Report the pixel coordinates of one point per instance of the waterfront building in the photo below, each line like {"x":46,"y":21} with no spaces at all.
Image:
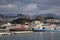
{"x":54,"y":20}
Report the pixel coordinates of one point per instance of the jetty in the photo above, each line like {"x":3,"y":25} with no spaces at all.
{"x":22,"y":32}
{"x":4,"y":33}
{"x":14,"y":32}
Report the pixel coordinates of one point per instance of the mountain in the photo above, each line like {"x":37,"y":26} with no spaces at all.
{"x":47,"y":15}
{"x":22,"y":16}
{"x":2,"y":15}
{"x":10,"y":16}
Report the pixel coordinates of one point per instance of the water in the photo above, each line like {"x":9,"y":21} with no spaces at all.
{"x":33,"y":36}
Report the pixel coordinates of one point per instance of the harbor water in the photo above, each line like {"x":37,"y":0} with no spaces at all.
{"x":33,"y":36}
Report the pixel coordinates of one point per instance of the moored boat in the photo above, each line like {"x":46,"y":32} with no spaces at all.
{"x":43,"y":28}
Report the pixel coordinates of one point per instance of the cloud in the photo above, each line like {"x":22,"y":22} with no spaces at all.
{"x":48,"y":2}
{"x":30,"y":7}
{"x":8,"y":6}
{"x":41,"y":9}
{"x":4,"y":2}
{"x":54,"y":10}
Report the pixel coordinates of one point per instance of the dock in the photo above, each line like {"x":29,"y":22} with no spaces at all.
{"x":4,"y":33}
{"x":22,"y":32}
{"x":14,"y":32}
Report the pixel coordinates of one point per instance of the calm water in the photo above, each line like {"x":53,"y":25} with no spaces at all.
{"x":33,"y":36}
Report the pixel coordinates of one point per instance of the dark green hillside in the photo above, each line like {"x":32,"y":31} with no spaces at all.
{"x":19,"y":21}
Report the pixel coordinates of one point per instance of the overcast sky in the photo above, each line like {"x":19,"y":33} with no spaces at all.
{"x":29,"y":7}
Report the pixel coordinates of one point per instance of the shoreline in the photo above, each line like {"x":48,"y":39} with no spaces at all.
{"x":21,"y":32}
{"x":14,"y":32}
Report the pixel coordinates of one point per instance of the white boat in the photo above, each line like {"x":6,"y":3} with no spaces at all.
{"x":42,"y":27}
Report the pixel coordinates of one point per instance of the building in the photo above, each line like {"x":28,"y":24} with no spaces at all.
{"x":37,"y":22}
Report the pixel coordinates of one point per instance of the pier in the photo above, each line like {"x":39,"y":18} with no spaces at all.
{"x":14,"y":32}
{"x":4,"y":33}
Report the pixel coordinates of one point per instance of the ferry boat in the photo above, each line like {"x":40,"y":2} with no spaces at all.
{"x":42,"y":27}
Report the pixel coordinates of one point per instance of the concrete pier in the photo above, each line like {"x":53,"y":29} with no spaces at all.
{"x":14,"y":32}
{"x":19,"y":32}
{"x":4,"y":33}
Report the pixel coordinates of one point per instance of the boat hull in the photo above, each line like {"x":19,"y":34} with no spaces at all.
{"x":45,"y":30}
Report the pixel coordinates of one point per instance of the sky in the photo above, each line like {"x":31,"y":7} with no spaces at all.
{"x":29,"y":7}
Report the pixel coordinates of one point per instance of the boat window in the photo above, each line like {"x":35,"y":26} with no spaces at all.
{"x":43,"y":27}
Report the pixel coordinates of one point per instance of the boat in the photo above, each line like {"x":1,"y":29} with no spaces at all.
{"x":45,"y":30}
{"x":42,"y":28}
